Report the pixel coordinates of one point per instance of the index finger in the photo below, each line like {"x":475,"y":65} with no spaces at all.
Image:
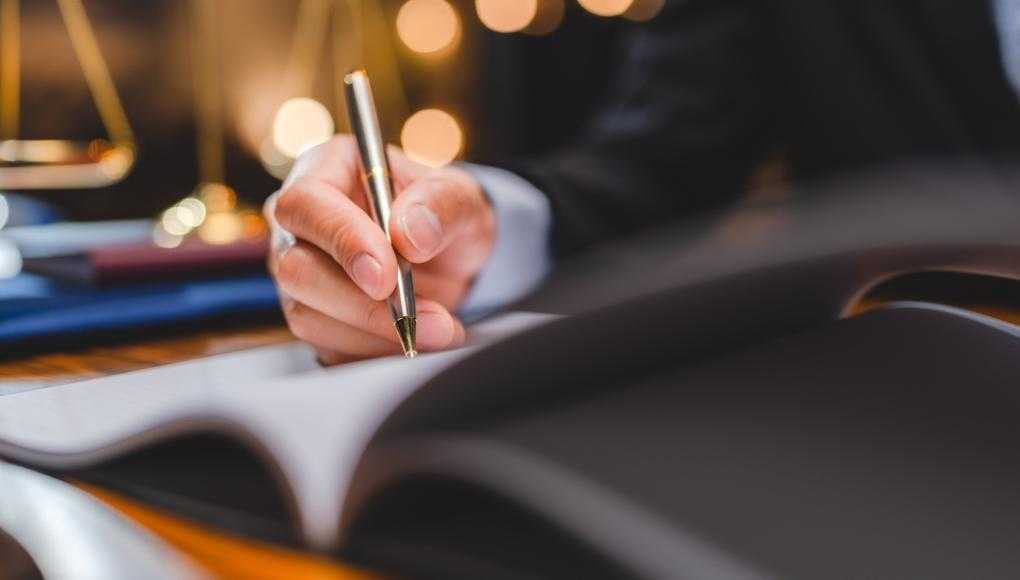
{"x":323,"y":216}
{"x":335,"y":163}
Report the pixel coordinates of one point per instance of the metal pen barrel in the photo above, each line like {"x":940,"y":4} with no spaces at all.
{"x":379,"y":190}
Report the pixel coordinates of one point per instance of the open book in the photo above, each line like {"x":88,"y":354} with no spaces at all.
{"x":707,"y":409}
{"x":312,"y":424}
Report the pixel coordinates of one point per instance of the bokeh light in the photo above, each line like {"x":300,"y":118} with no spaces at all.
{"x":300,"y":124}
{"x":427,"y":26}
{"x":606,"y":7}
{"x":548,"y":19}
{"x":221,"y":228}
{"x":432,"y":137}
{"x":183,"y":217}
{"x":165,"y":239}
{"x":191,"y":212}
{"x":172,"y":224}
{"x":5,"y":211}
{"x":506,"y":15}
{"x":216,"y":197}
{"x":644,"y":10}
{"x":253,"y":224}
{"x":277,"y":164}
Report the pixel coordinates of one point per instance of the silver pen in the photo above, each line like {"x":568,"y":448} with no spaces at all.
{"x":379,"y":190}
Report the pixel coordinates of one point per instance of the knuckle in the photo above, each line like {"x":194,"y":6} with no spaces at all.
{"x":290,"y":201}
{"x":344,"y":243}
{"x":459,"y":184}
{"x":294,"y":268}
{"x":307,"y":159}
{"x":436,"y":192}
{"x":300,"y":322}
{"x":298,"y":203}
{"x":329,"y":154}
{"x":438,"y":184}
{"x":448,"y":198}
{"x":469,"y":191}
{"x":324,"y":162}
{"x":376,"y":316}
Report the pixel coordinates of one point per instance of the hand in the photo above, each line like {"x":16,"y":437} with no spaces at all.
{"x":338,"y":269}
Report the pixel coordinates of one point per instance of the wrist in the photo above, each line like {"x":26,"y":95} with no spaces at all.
{"x":484,"y":225}
{"x":519,"y":258}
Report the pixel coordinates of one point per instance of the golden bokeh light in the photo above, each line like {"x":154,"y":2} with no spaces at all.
{"x":211,"y":213}
{"x":427,"y":26}
{"x":216,"y":197}
{"x":432,"y":137}
{"x":506,"y":15}
{"x":300,"y":124}
{"x":644,"y":10}
{"x":606,"y":7}
{"x":222,"y":228}
{"x":548,"y":19}
{"x":253,"y":225}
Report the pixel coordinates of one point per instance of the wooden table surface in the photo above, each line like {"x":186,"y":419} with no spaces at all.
{"x":69,"y":366}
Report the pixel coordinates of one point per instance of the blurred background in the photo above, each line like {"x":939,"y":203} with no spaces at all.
{"x":477,"y":80}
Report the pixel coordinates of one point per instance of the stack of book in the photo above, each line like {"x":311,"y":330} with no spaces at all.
{"x":97,"y":281}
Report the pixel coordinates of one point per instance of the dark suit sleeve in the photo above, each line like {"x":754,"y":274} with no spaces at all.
{"x":688,"y":120}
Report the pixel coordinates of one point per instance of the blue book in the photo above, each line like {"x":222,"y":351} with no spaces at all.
{"x":35,"y":310}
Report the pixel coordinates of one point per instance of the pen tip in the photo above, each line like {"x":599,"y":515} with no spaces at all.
{"x":406,"y":332}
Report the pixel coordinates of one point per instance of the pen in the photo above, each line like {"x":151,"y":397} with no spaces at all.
{"x":375,"y":171}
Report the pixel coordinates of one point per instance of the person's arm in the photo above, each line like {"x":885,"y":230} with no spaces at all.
{"x":690,"y":121}
{"x":690,"y":117}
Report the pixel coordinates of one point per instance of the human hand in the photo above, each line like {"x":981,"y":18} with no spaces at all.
{"x":337,"y":268}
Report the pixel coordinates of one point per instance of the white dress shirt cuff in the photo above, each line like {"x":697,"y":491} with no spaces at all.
{"x":521,"y":257}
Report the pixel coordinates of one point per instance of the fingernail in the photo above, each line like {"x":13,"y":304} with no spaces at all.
{"x":434,"y":330}
{"x":422,"y":227}
{"x":367,"y":273}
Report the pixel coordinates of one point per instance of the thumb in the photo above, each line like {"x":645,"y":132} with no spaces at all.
{"x":436,"y":211}
{"x":404,"y":169}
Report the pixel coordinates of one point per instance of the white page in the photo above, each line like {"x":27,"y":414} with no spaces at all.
{"x":315,"y":422}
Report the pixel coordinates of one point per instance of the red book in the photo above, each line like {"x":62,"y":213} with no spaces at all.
{"x":148,"y":262}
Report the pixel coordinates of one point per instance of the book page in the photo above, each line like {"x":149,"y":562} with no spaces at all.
{"x":314,"y":421}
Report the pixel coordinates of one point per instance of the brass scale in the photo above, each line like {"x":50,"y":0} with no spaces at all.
{"x":41,"y":164}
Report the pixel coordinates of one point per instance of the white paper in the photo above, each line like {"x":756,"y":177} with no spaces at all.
{"x":315,"y":422}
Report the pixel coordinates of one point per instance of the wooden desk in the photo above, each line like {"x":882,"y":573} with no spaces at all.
{"x":107,"y":360}
{"x":222,"y":555}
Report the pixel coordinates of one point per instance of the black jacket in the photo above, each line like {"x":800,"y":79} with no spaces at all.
{"x":711,"y":88}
